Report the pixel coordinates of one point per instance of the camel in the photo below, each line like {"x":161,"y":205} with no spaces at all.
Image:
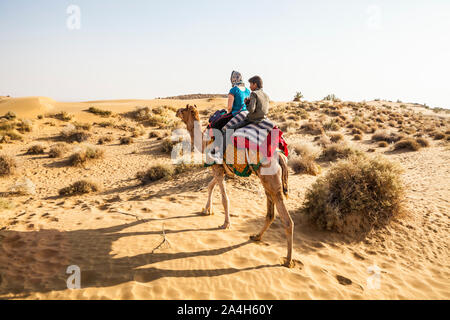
{"x":275,"y":185}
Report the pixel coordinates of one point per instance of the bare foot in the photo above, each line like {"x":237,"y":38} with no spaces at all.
{"x":255,"y":237}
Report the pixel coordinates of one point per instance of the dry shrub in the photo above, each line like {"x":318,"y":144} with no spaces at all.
{"x":356,"y":131}
{"x":359,"y":125}
{"x":162,"y":116}
{"x":184,"y":167}
{"x":322,"y":140}
{"x":63,"y":116}
{"x":289,"y":126}
{"x":305,"y":150}
{"x":356,"y":196}
{"x":156,"y":172}
{"x":164,"y":170}
{"x":138,"y":131}
{"x":99,"y":112}
{"x":388,"y":137}
{"x":9,"y":115}
{"x":357,"y":137}
{"x":82,"y":126}
{"x":312,"y":128}
{"x":407,"y":144}
{"x":82,"y":157}
{"x":58,"y":150}
{"x":126,"y":140}
{"x":105,"y":139}
{"x":383,"y":144}
{"x":332,"y":125}
{"x":423,"y":142}
{"x":304,"y":165}
{"x":6,"y":125}
{"x":139,"y":114}
{"x":335,"y":151}
{"x":8,"y":135}
{"x":336,"y":137}
{"x":7,"y":165}
{"x":79,"y":188}
{"x":167,"y":145}
{"x":105,"y":124}
{"x":36,"y":149}
{"x":72,"y":134}
{"x":302,"y":113}
{"x":437,"y":135}
{"x":24,"y":126}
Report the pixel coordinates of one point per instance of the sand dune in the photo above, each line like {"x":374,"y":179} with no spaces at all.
{"x":112,"y":235}
{"x":28,"y":107}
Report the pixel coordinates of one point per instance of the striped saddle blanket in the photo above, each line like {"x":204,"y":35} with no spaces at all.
{"x":264,"y":136}
{"x":249,"y":147}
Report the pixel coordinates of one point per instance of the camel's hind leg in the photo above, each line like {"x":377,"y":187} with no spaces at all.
{"x":219,"y":175}
{"x":208,"y":210}
{"x":269,"y":219}
{"x":273,"y":186}
{"x":288,"y":226}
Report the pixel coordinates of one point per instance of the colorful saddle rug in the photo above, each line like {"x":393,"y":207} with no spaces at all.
{"x":249,"y":147}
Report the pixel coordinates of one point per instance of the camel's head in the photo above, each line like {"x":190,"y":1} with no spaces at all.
{"x":188,"y":114}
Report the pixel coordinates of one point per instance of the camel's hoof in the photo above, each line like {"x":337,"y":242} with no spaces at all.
{"x":255,"y":237}
{"x":225,"y":226}
{"x":207,"y":212}
{"x":288,"y":263}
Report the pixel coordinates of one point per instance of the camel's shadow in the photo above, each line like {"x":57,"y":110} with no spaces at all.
{"x":37,"y":261}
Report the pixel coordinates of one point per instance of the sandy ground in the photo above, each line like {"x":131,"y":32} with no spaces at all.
{"x":113,"y":236}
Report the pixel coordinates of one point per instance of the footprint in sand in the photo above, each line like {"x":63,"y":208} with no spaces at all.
{"x":358,"y":256}
{"x":343,"y":280}
{"x":298,"y":264}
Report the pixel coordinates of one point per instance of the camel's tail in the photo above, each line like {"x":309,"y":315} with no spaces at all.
{"x":284,"y":174}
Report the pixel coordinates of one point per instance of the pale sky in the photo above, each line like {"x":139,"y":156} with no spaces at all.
{"x":142,"y":49}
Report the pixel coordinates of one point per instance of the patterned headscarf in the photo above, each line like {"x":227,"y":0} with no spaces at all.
{"x":236,"y":79}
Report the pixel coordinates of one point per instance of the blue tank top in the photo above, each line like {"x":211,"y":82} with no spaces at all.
{"x":239,"y":97}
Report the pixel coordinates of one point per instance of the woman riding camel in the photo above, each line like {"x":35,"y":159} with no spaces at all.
{"x":236,"y":100}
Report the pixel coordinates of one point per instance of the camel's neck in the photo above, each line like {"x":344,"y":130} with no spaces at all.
{"x":194,"y":127}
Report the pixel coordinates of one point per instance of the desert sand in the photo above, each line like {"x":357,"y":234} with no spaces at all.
{"x":113,"y":235}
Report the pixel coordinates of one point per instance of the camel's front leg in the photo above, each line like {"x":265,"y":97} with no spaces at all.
{"x":226,"y":204}
{"x":219,"y":175}
{"x":208,"y":210}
